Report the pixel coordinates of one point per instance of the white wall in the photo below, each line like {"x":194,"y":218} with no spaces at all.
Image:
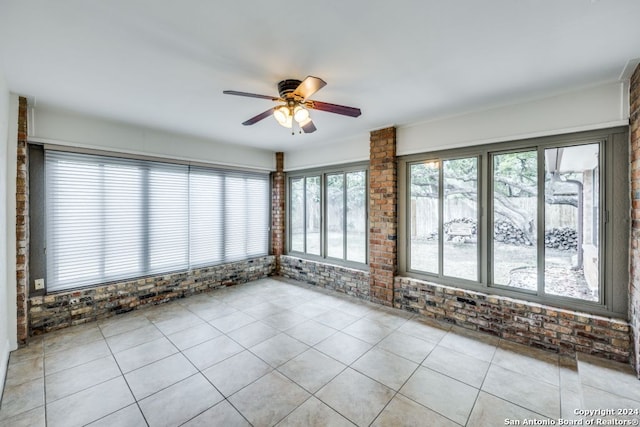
{"x":8,"y":339}
{"x":586,"y":109}
{"x":54,"y":126}
{"x":346,"y":151}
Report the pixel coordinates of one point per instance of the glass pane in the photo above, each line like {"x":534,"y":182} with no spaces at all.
{"x":168,"y":219}
{"x":296,"y":200}
{"x":515,"y":209}
{"x":313,"y":215}
{"x":357,"y":216}
{"x":424,"y":216}
{"x":335,"y":216}
{"x":122,"y":223}
{"x":571,"y":222}
{"x":206,"y":216}
{"x":460,"y":246}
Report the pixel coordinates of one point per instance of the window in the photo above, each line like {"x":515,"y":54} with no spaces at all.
{"x":111,"y":219}
{"x":529,"y":219}
{"x":328,"y":214}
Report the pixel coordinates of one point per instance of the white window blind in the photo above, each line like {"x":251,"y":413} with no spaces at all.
{"x":110,"y":219}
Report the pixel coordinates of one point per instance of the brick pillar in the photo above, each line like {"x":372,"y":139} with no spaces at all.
{"x":278,"y":210}
{"x":383,"y":215}
{"x":634,"y":285}
{"x":22,"y":225}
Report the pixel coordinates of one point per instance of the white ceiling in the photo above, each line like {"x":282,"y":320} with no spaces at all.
{"x":164,"y":64}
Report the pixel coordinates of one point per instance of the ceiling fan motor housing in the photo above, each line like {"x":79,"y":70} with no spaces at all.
{"x":286,"y":87}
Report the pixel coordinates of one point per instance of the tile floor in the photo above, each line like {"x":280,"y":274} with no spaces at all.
{"x":273,"y":352}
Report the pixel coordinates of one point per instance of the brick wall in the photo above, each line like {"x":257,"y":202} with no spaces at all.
{"x":535,"y":325}
{"x":63,"y":309}
{"x":383,"y":221}
{"x":22,"y":224}
{"x":634,"y":285}
{"x":341,"y":279}
{"x":278,"y":185}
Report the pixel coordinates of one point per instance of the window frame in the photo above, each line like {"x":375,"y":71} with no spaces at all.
{"x":323,"y":173}
{"x":145,"y":165}
{"x":613,"y":143}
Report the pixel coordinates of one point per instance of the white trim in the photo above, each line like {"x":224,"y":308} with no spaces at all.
{"x":531,"y":135}
{"x":131,"y":154}
{"x":4,"y":363}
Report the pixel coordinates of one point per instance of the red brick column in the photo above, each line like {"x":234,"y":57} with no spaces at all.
{"x":634,"y":285}
{"x":22,"y":225}
{"x":383,"y":215}
{"x":278,"y":210}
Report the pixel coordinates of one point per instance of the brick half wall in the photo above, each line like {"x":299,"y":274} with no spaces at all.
{"x":346,"y":280}
{"x":64,"y":309}
{"x":535,"y":325}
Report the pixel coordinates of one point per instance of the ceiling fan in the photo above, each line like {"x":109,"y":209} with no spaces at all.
{"x":295,"y":104}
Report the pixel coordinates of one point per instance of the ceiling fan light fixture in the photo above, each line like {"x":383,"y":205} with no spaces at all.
{"x":300,"y":114}
{"x":282,"y":115}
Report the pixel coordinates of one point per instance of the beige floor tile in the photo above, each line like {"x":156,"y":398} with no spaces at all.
{"x":460,"y":366}
{"x":214,"y":311}
{"x":284,"y":320}
{"x":609,"y":376}
{"x":278,"y":349}
{"x":70,"y":338}
{"x":73,"y":380}
{"x":222,"y":414}
{"x":311,"y":309}
{"x":385,"y":367}
{"x":407,"y":413}
{"x":236,"y":372}
{"x":336,"y":319}
{"x":368,"y":330}
{"x":232,"y":321}
{"x":409,"y":347}
{"x":76,"y":356}
{"x":158,"y":375}
{"x":132,"y":338}
{"x":442,"y":394}
{"x":312,"y":370}
{"x":33,"y":349}
{"x":282,"y":394}
{"x":213,"y":351}
{"x":24,"y":371}
{"x":595,"y":398}
{"x":120,"y":324}
{"x":143,"y":354}
{"x":424,"y":329}
{"x":262,"y":310}
{"x":480,"y":347}
{"x":194,"y":336}
{"x":390,"y":318}
{"x":252,"y":334}
{"x":180,"y":402}
{"x":166,"y":311}
{"x":490,"y":410}
{"x":310,"y":332}
{"x":126,"y":417}
{"x":33,"y":418}
{"x":314,"y":413}
{"x":355,"y":396}
{"x":355,"y":307}
{"x":89,"y":405}
{"x":22,"y":398}
{"x":343,"y":347}
{"x":535,"y":395}
{"x":530,"y":362}
{"x":180,"y":323}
